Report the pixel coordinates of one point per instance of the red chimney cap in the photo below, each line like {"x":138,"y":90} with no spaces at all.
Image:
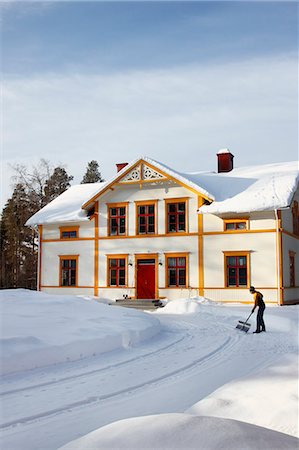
{"x":225,"y":160}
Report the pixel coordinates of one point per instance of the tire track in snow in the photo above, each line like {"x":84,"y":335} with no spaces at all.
{"x":211,"y":357}
{"x":95,"y":371}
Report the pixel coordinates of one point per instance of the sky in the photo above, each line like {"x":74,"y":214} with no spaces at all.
{"x":175,"y":81}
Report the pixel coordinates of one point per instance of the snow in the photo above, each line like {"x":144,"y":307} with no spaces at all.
{"x":223,"y":150}
{"x":227,"y":402}
{"x":182,"y":431}
{"x":254,"y":188}
{"x":66,"y":207}
{"x":181,"y":306}
{"x":81,"y":374}
{"x":82,"y":328}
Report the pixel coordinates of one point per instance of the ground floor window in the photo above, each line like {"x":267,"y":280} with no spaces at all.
{"x":236,"y":269}
{"x":117,"y":271}
{"x":176,"y":270}
{"x":68,"y":270}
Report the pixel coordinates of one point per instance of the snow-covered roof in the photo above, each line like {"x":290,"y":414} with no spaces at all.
{"x":67,"y":207}
{"x":246,"y":189}
{"x":255,"y":188}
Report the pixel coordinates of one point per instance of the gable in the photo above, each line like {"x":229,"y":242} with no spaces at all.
{"x":142,"y":172}
{"x":145,"y":170}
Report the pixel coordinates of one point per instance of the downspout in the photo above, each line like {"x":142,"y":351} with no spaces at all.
{"x":278,"y":259}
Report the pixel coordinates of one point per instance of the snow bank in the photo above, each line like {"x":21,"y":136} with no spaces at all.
{"x":182,"y":431}
{"x":40,"y":329}
{"x":182,"y":306}
{"x":268,"y":399}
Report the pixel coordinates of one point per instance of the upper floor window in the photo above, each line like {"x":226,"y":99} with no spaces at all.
{"x":235,"y":224}
{"x":69,"y":232}
{"x":117,"y":271}
{"x":117,"y":214}
{"x":176,"y":270}
{"x":146,"y":217}
{"x":295,"y":214}
{"x":176,"y":216}
{"x":236,"y":269}
{"x":68,"y":270}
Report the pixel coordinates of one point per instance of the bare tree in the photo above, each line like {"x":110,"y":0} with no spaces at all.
{"x":33,"y":180}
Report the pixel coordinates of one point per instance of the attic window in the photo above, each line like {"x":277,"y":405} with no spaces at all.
{"x":69,"y":232}
{"x":235,"y":224}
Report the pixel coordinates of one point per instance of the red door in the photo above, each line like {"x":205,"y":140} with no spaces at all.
{"x":146,"y":278}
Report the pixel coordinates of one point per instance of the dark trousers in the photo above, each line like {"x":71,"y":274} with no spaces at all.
{"x":260,"y":324}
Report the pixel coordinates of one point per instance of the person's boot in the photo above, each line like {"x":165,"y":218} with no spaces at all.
{"x":256,"y":332}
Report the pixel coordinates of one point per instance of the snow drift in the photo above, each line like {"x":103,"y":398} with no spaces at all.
{"x":40,"y":329}
{"x":181,"y":432}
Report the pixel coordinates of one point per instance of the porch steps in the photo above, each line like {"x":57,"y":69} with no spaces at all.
{"x":143,"y":304}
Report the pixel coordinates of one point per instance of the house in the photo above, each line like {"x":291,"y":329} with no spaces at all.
{"x":154,"y":232}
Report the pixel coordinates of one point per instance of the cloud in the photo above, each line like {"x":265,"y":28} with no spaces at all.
{"x":180,"y":116}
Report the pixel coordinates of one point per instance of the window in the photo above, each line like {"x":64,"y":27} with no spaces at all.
{"x":68,"y":270}
{"x":146,"y":220}
{"x":176,"y":216}
{"x":176,"y":270}
{"x":292,"y":269}
{"x":235,"y":224}
{"x":117,"y":219}
{"x":295,"y":214}
{"x":236,"y":269}
{"x":69,"y":232}
{"x":117,"y":272}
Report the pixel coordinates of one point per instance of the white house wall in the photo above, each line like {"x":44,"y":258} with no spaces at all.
{"x":160,"y":246}
{"x":263,"y":273}
{"x":132,"y":194}
{"x":51,"y":263}
{"x":257,"y":221}
{"x":86,"y":229}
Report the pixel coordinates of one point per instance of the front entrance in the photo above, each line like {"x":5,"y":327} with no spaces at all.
{"x":146,"y":278}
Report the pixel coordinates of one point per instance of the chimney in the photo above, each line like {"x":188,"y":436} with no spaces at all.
{"x":121,"y":166}
{"x":225,"y":160}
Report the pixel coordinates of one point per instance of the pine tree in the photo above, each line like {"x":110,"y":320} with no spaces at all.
{"x":19,"y":256}
{"x":33,"y":190}
{"x":92,"y":174}
{"x":58,"y":182}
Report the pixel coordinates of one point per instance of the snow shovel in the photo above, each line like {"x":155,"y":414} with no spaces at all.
{"x":244,"y":326}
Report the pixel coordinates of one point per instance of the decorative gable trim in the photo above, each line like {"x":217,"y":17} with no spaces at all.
{"x":142,"y":172}
{"x":149,"y":174}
